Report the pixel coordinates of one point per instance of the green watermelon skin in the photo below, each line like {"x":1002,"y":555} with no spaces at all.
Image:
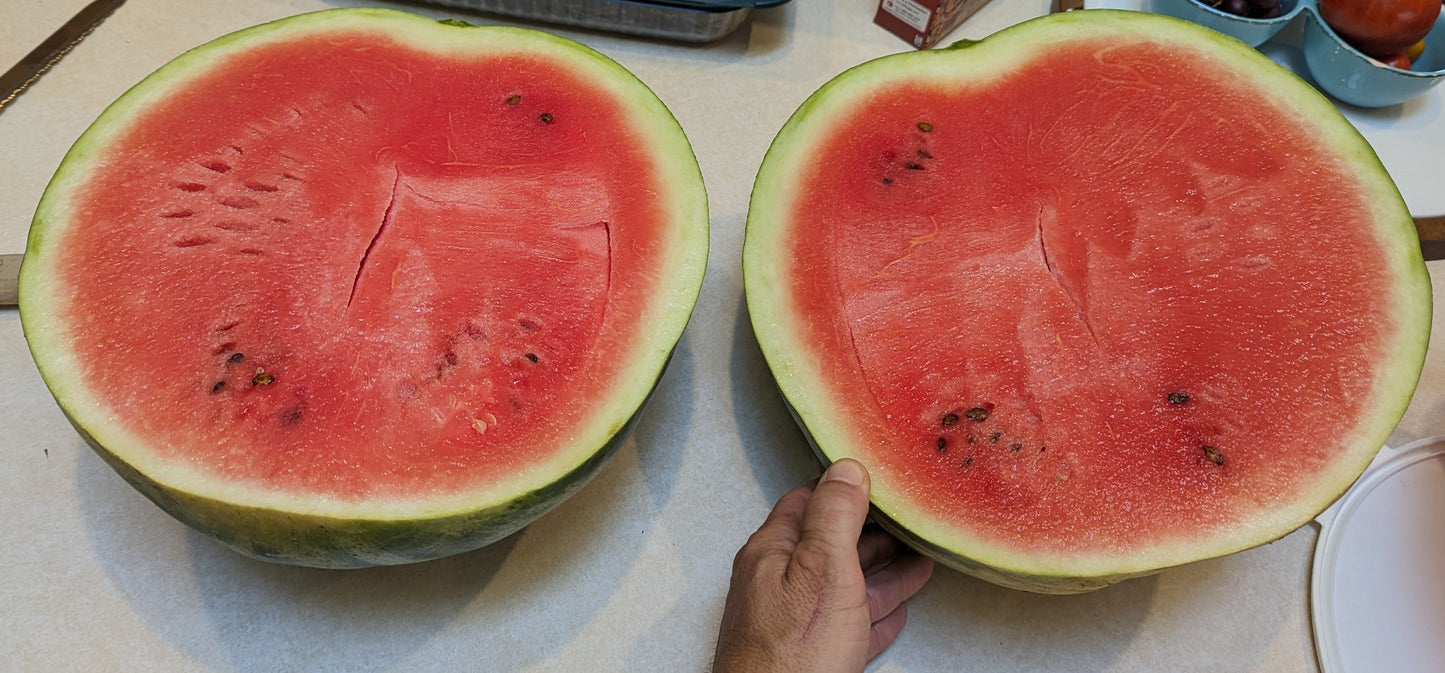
{"x":856,"y":136}
{"x":582,"y":396}
{"x":301,"y":539}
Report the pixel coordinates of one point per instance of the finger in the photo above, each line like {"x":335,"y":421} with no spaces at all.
{"x":884,"y":631}
{"x":876,"y":548}
{"x":833,"y":520}
{"x":895,"y":583}
{"x":780,"y":531}
{"x":787,"y":513}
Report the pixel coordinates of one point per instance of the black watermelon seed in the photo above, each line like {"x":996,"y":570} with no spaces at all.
{"x":977,"y":414}
{"x":1213,"y":455}
{"x":1178,"y":398}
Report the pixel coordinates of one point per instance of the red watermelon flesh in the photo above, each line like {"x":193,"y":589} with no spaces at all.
{"x":323,"y":228}
{"x":1093,"y":308}
{"x":372,"y":270}
{"x":1075,"y":292}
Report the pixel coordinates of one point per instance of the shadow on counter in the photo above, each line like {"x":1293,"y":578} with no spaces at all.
{"x":959,"y":622}
{"x":229,"y":612}
{"x":776,"y":449}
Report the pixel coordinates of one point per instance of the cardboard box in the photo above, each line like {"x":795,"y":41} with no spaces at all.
{"x":923,"y":23}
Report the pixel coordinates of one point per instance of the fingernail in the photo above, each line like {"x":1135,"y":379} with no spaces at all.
{"x":847,"y":471}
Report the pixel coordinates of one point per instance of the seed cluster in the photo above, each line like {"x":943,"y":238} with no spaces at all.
{"x":970,"y":421}
{"x":915,"y":161}
{"x":973,"y":422}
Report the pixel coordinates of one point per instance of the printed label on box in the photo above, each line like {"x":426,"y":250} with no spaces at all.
{"x":910,"y":12}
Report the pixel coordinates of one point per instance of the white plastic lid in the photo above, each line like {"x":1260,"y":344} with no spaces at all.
{"x":1378,"y":587}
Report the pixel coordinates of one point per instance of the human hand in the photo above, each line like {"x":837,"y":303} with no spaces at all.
{"x":813,"y":590}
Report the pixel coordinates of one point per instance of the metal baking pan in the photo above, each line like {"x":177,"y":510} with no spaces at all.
{"x":680,"y":20}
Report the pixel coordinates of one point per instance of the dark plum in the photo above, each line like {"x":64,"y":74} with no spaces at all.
{"x":1252,"y":9}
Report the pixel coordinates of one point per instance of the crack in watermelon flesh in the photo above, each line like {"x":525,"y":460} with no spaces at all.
{"x":377,"y":246}
{"x":386,"y":219}
{"x":1065,"y":252}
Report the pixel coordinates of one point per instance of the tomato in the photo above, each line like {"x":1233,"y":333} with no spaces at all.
{"x":1398,"y":59}
{"x":1380,"y":28}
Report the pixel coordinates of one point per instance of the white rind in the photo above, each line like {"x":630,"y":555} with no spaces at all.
{"x":799,"y":371}
{"x":686,"y":256}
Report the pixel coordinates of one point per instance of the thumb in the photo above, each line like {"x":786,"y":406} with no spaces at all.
{"x":835,"y":515}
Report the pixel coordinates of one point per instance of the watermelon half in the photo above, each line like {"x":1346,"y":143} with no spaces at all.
{"x":358,"y":287}
{"x":1101,"y":294}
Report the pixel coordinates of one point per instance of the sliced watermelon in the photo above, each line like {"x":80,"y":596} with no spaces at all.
{"x":359,"y":287}
{"x":1101,"y":294}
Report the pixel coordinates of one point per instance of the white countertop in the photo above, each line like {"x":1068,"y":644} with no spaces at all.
{"x":630,"y":573}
